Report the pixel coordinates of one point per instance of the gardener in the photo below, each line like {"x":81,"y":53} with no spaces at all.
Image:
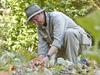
{"x":58,"y":34}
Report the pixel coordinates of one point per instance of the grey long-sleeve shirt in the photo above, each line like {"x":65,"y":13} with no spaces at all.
{"x":53,"y":33}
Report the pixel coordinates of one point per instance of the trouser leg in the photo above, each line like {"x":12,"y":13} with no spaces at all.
{"x":71,"y":45}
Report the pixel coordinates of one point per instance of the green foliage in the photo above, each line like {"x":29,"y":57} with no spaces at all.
{"x":72,"y":8}
{"x":92,"y":55}
{"x":15,"y":35}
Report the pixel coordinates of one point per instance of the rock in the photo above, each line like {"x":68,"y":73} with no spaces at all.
{"x":97,"y":71}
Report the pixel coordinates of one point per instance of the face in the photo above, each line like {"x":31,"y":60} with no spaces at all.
{"x":38,"y":19}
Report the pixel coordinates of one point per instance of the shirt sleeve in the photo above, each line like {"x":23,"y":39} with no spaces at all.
{"x":58,"y":33}
{"x":42,"y":45}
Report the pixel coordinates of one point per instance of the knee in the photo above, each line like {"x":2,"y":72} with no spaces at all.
{"x":69,"y":32}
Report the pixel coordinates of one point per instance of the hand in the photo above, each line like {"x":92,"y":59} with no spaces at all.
{"x":45,"y":59}
{"x":39,"y":60}
{"x":36,"y":61}
{"x":41,"y":56}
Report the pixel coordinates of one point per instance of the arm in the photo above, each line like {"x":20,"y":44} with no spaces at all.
{"x":42,"y":45}
{"x":58,"y":34}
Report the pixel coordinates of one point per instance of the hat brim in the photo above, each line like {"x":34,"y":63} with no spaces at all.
{"x":27,"y":21}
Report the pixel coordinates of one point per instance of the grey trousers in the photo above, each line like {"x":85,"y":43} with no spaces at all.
{"x":71,"y":47}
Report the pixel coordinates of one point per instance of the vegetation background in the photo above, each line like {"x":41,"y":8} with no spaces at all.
{"x":22,"y":40}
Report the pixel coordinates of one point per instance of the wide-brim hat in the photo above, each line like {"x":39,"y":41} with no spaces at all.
{"x":31,"y":11}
